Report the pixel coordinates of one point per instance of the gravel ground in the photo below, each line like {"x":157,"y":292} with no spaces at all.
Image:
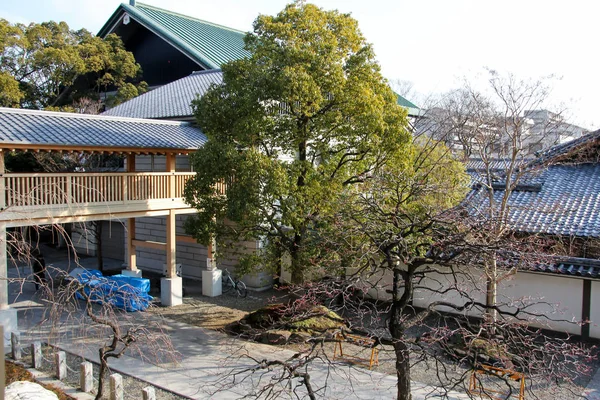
{"x":217,"y":312}
{"x":132,"y":387}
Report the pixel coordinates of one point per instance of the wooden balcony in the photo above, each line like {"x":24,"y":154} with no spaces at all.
{"x":33,"y":198}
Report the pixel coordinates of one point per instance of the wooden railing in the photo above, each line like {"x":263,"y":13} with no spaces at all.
{"x":36,"y":190}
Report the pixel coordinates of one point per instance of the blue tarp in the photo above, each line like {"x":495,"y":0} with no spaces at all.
{"x":125,"y":292}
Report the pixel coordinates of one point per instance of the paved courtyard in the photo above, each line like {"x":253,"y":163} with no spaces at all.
{"x":209,"y":364}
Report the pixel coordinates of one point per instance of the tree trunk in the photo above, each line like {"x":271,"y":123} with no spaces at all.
{"x":397,"y":331}
{"x":403,"y":370}
{"x":297,"y":269}
{"x":101,"y":374}
{"x":491,"y":315}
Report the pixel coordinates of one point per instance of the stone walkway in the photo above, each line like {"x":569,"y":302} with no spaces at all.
{"x":209,"y":361}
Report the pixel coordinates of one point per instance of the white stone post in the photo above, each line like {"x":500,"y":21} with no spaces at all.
{"x":148,"y":393}
{"x":60,"y":363}
{"x":15,"y":343}
{"x":171,"y":287}
{"x":85,"y":377}
{"x":36,"y":354}
{"x":116,"y":387}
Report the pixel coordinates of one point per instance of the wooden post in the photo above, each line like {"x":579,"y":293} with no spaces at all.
{"x":15,"y":343}
{"x":3,"y":269}
{"x":85,"y":377}
{"x":132,"y":262}
{"x":171,"y":223}
{"x":210,"y":253}
{"x":2,"y":371}
{"x":116,"y":387}
{"x":2,"y":181}
{"x":586,"y":308}
{"x":171,"y":168}
{"x":60,"y":363}
{"x":171,"y":245}
{"x":131,"y":162}
{"x":36,"y":355}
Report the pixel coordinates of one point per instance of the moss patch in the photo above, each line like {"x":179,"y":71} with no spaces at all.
{"x":313,"y":320}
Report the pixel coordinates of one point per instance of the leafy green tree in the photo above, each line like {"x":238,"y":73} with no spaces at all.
{"x":48,"y":65}
{"x":292,"y":127}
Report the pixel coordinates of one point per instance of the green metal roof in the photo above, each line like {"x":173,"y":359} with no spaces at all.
{"x":413,"y":110}
{"x":210,"y":45}
{"x":404,"y":102}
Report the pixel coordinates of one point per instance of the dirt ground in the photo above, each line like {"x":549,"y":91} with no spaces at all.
{"x":217,"y":312}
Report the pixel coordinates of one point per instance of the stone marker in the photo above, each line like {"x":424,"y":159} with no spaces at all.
{"x":116,"y":387}
{"x":36,"y":354}
{"x":60,"y":362}
{"x":148,"y":393}
{"x":85,"y":377}
{"x":15,"y":343}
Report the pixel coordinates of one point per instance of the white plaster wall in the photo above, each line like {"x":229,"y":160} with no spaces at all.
{"x":595,"y":310}
{"x":563,"y":294}
{"x":445,"y":286}
{"x":558,"y":298}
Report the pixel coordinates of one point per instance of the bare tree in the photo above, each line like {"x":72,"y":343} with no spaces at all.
{"x":403,"y":226}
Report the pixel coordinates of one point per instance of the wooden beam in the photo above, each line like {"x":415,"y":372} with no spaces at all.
{"x":586,"y":308}
{"x":186,"y":239}
{"x":19,"y":220}
{"x":149,"y":244}
{"x":81,"y":149}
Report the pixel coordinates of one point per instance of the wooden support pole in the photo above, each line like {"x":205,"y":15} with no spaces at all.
{"x":131,"y":251}
{"x":2,"y":181}
{"x":586,"y":308}
{"x":3,"y":268}
{"x":2,"y":366}
{"x":130,"y":162}
{"x":86,"y":382}
{"x":171,"y":168}
{"x":171,"y":245}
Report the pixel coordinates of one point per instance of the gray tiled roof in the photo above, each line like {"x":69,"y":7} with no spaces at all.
{"x":584,"y":267}
{"x":555,"y":152}
{"x":169,"y":101}
{"x":43,"y":128}
{"x":567,"y":203}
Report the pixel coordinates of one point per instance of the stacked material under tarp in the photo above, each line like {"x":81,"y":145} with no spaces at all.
{"x":125,"y":292}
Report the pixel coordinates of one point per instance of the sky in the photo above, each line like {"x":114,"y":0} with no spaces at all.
{"x":433,"y":44}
